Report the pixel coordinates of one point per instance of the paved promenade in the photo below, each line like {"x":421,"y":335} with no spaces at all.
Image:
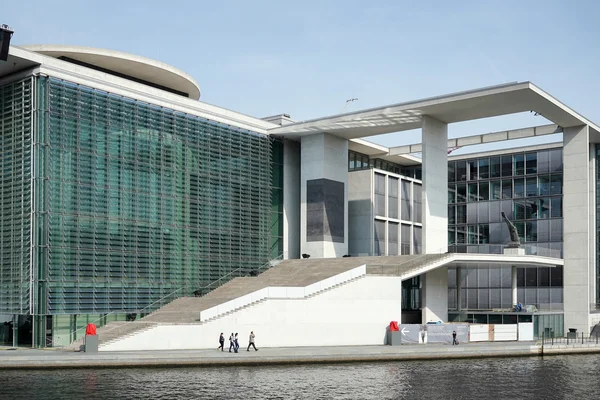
{"x":46,"y":359}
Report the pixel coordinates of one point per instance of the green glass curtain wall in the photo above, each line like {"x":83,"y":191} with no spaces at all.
{"x":137,"y":201}
{"x":16,"y":127}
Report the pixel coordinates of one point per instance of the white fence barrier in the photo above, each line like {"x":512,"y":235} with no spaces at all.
{"x":525,"y":331}
{"x":505,"y":332}
{"x":479,"y":333}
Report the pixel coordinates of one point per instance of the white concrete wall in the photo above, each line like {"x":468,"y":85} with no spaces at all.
{"x":435,"y":185}
{"x":353,"y":314}
{"x":291,"y":199}
{"x":360,"y":212}
{"x":525,"y":331}
{"x":323,"y":156}
{"x":576,"y":234}
{"x":434,"y":293}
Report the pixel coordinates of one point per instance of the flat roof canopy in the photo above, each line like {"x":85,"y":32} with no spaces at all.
{"x":487,"y":102}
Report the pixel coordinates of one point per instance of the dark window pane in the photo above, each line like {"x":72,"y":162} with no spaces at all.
{"x":484,"y":234}
{"x":461,"y":214}
{"x":556,"y":160}
{"x":520,"y":277}
{"x":507,"y":166}
{"x":531,"y":163}
{"x":495,"y":190}
{"x":530,"y":277}
{"x":556,"y":184}
{"x":519,"y":161}
{"x":451,"y":194}
{"x":544,"y":185}
{"x":451,"y":171}
{"x":484,"y":168}
{"x":531,"y":231}
{"x":472,"y":166}
{"x":507,"y":192}
{"x":484,"y":191}
{"x":543,"y":162}
{"x":543,"y":208}
{"x":461,"y":170}
{"x":531,"y":187}
{"x":556,"y":276}
{"x":556,"y":206}
{"x":519,"y":188}
{"x":461,"y":193}
{"x":544,"y":277}
{"x":495,"y":167}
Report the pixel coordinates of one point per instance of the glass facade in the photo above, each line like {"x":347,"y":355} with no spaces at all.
{"x":16,"y":135}
{"x":397,"y":210}
{"x":115,"y":204}
{"x":358,"y":161}
{"x":527,"y":187}
{"x":597,"y":305}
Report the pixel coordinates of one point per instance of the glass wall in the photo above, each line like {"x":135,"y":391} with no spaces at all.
{"x":16,"y":123}
{"x":137,"y":202}
{"x":276,"y":233}
{"x":527,"y":187}
{"x":397,"y":208}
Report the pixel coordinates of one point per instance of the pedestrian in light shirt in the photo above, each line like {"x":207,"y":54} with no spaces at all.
{"x":251,"y":342}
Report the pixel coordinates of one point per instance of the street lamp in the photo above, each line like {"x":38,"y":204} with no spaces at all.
{"x":5,"y":35}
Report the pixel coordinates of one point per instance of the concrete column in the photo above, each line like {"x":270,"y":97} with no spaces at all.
{"x":434,"y":292}
{"x":324,"y":196}
{"x":15,"y":331}
{"x":576,"y":233}
{"x":435,"y":185}
{"x":459,"y":288}
{"x":513,"y":285}
{"x":291,"y":199}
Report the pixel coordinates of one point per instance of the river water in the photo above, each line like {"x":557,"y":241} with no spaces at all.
{"x":559,"y":377}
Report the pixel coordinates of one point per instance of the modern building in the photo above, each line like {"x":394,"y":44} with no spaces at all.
{"x":122,"y":191}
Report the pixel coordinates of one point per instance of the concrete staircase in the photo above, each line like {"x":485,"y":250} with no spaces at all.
{"x":297,"y":273}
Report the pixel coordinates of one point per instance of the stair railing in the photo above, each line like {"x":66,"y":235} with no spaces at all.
{"x":420,"y":259}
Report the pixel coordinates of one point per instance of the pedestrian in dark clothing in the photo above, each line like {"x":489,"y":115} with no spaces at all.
{"x":454,"y":338}
{"x":231,"y":343}
{"x":221,"y":342}
{"x":251,"y":342}
{"x":236,"y":344}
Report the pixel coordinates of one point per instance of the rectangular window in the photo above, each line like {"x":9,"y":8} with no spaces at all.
{"x":393,"y":197}
{"x":484,"y":168}
{"x":484,"y":234}
{"x":417,"y":239}
{"x":379,"y":238}
{"x":472,"y":187}
{"x":393,"y":239}
{"x":543,"y":162}
{"x":406,"y":201}
{"x":531,"y":187}
{"x":507,"y":192}
{"x":352,"y":161}
{"x":495,"y":167}
{"x":530,"y":163}
{"x":556,"y":160}
{"x":380,"y":195}
{"x":472,"y":234}
{"x":461,"y":214}
{"x":484,"y":191}
{"x":452,"y":194}
{"x":461,"y":234}
{"x":451,"y":236}
{"x":405,"y":239}
{"x":556,"y":207}
{"x":531,"y":231}
{"x":519,"y":164}
{"x":495,"y":190}
{"x":451,"y":215}
{"x":461,"y":193}
{"x":472,"y":166}
{"x":543,"y":208}
{"x":530,"y":277}
{"x":451,"y":171}
{"x":519,"y":188}
{"x":461,"y":171}
{"x":556,"y":184}
{"x":507,"y":166}
{"x":418,"y":202}
{"x":543,"y":185}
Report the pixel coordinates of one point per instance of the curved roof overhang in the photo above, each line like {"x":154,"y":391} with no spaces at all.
{"x":125,"y":65}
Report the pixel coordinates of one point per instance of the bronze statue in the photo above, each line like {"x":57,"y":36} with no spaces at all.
{"x":515,"y":241}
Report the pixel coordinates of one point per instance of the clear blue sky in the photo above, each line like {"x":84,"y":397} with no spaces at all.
{"x":307,"y":57}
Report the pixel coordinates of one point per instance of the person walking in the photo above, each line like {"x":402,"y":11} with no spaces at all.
{"x":251,"y":342}
{"x":454,"y":338}
{"x":231,"y":343}
{"x":221,"y":342}
{"x":236,"y":344}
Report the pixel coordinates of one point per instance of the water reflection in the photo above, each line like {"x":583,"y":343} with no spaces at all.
{"x":508,"y":378}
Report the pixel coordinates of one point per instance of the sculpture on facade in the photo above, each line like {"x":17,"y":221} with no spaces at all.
{"x":515,"y":241}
